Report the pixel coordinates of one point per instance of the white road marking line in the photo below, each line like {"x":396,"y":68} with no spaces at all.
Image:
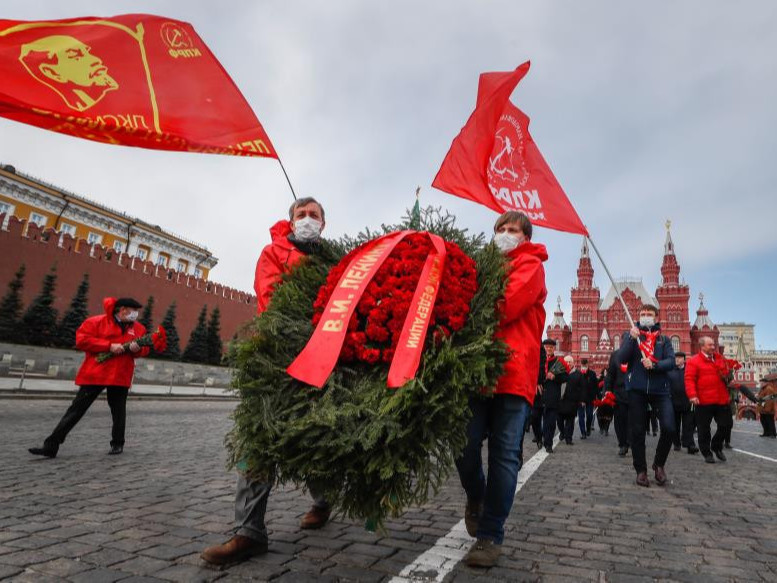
{"x":435,"y":563}
{"x":763,"y":457}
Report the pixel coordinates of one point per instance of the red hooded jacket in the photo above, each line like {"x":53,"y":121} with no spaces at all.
{"x":523,"y":319}
{"x":96,"y":335}
{"x":702,"y":379}
{"x":276,"y":259}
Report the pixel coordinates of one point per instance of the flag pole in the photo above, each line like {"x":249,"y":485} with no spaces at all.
{"x":294,"y":194}
{"x":615,"y":287}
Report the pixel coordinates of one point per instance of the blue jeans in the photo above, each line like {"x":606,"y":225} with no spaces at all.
{"x":585,"y":417}
{"x":638,"y":418}
{"x":502,"y":419}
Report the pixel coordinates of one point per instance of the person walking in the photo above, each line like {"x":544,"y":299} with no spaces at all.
{"x":555,"y":375}
{"x":502,"y":418}
{"x":684,"y":415}
{"x":108,"y":332}
{"x":766,"y":407}
{"x":589,"y":390}
{"x":571,"y":399}
{"x":615,"y":381}
{"x":705,"y":385}
{"x":648,"y":355}
{"x":537,"y":408}
{"x":292,"y":241}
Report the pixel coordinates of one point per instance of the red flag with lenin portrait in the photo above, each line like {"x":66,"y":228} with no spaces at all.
{"x":495,"y":162}
{"x":133,"y":80}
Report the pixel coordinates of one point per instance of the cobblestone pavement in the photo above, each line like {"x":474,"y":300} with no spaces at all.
{"x":146,"y":515}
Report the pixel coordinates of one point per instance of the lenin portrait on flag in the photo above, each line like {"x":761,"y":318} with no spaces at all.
{"x":68,"y":66}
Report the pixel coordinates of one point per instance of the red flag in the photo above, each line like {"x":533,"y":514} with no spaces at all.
{"x":495,"y":162}
{"x":134,"y":80}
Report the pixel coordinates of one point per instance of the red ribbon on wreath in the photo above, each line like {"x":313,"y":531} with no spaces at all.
{"x":319,"y":357}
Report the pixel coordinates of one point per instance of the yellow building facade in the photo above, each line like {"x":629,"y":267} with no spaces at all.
{"x":48,"y":206}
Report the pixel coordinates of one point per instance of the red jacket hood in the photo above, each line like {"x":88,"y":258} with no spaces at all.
{"x":109,"y":304}
{"x":280,"y":230}
{"x":537,"y":250}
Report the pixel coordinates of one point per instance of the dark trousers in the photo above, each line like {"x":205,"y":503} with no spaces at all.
{"x":638,"y":416}
{"x":685,"y":423}
{"x":622,"y":423}
{"x":585,"y":418}
{"x":723,"y":419}
{"x":767,"y":422}
{"x":568,"y":427}
{"x":549,"y":420}
{"x":653,"y":416}
{"x":502,"y":420}
{"x":536,"y":419}
{"x":117,"y":401}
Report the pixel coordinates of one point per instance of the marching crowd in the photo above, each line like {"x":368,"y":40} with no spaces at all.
{"x":645,"y":385}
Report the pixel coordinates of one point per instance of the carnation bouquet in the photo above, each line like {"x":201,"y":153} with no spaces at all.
{"x":372,"y":450}
{"x":156,"y":340}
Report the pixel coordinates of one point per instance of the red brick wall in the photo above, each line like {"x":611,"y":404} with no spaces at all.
{"x":111,"y":274}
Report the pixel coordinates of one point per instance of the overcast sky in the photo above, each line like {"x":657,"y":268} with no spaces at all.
{"x":644,"y":113}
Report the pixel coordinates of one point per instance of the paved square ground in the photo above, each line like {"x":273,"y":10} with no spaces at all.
{"x":146,"y":515}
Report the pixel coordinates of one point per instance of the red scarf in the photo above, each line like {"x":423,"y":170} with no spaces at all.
{"x":648,"y":345}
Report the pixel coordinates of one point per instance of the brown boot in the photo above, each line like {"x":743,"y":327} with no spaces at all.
{"x":660,"y":475}
{"x":315,"y":518}
{"x":642,"y":480}
{"x":484,"y":553}
{"x":237,"y":549}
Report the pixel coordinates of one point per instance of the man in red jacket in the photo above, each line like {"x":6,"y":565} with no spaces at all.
{"x":503,"y":417}
{"x":291,"y":241}
{"x":108,"y":332}
{"x":705,"y":385}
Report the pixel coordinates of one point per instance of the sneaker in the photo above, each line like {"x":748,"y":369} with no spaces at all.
{"x":642,"y":480}
{"x":719,"y":454}
{"x":237,"y":549}
{"x":45,"y":451}
{"x":660,"y":475}
{"x":484,"y":553}
{"x":315,"y":518}
{"x":472,"y":517}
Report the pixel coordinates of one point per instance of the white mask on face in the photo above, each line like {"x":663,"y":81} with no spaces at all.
{"x":506,"y":242}
{"x":307,"y":228}
{"x":646,"y":321}
{"x":132,"y":316}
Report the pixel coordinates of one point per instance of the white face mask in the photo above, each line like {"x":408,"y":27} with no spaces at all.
{"x":307,"y":229}
{"x":132,"y":316}
{"x":506,"y":242}
{"x":646,"y":321}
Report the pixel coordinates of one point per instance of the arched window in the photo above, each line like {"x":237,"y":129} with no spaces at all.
{"x":584,"y":343}
{"x":616,"y":342}
{"x":676,"y":343}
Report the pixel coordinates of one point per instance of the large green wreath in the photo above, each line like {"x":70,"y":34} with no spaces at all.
{"x":371,"y":451}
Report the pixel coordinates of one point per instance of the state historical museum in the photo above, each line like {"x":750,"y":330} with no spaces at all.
{"x":597,"y":324}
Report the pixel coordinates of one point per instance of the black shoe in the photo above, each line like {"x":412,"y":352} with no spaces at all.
{"x":569,"y":442}
{"x":539,"y":443}
{"x":693,"y":450}
{"x":589,"y":432}
{"x":654,"y":434}
{"x":44,"y":451}
{"x":548,"y":449}
{"x":116,"y":449}
{"x":606,"y":432}
{"x":719,"y":454}
{"x":709,"y":459}
{"x":622,"y":451}
{"x":583,"y":436}
{"x":727,"y":445}
{"x":677,"y":448}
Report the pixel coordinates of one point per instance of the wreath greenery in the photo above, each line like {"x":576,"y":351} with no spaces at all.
{"x":371,"y":451}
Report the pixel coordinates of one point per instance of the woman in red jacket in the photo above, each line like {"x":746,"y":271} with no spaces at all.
{"x":105,"y":333}
{"x":503,"y":417}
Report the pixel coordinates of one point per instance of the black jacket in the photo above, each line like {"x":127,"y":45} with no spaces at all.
{"x":573,"y":393}
{"x":677,"y":383}
{"x":615,"y":380}
{"x":590,"y":386}
{"x":551,"y":389}
{"x":638,"y":378}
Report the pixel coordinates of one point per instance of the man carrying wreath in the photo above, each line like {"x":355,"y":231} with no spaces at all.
{"x":503,"y":418}
{"x":292,"y":240}
{"x":116,"y":332}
